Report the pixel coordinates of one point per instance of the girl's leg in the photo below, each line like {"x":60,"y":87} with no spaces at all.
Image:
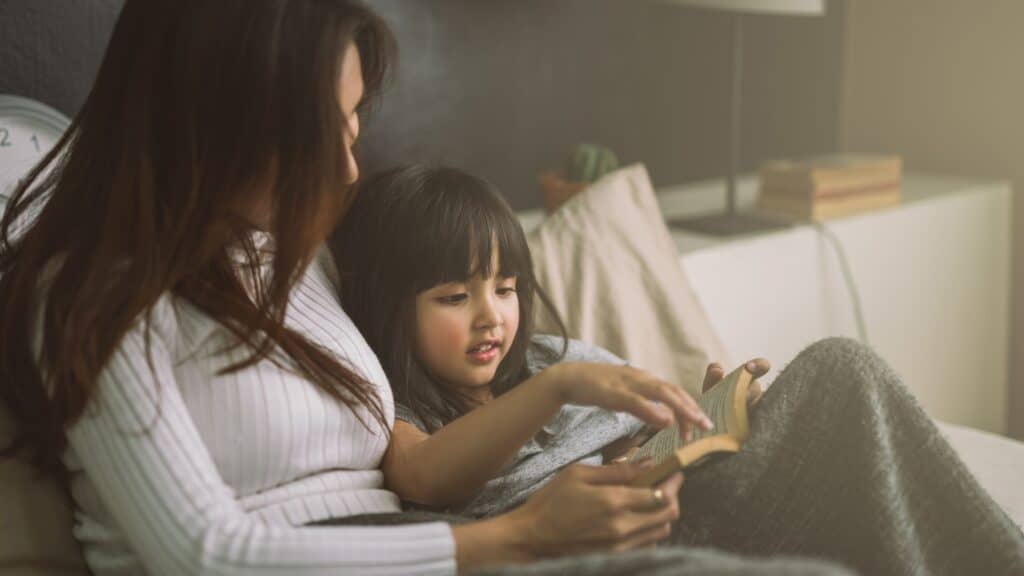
{"x":842,"y":463}
{"x":670,"y":561}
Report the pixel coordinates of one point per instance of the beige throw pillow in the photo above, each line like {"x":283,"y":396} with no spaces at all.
{"x":612,"y":270}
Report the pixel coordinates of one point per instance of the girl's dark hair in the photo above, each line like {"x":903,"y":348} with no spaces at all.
{"x":197,"y":108}
{"x":424,"y":226}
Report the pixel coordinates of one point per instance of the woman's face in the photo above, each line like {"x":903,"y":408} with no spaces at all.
{"x":350,"y":94}
{"x":465,"y":329}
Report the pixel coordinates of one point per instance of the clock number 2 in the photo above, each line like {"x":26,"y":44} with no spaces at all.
{"x":5,"y":138}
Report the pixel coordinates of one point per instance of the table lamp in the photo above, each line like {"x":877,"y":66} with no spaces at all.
{"x":733,"y":222}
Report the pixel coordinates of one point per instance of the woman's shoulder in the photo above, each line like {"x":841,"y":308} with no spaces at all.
{"x":160,"y":319}
{"x":546,"y":350}
{"x":164,"y":321}
{"x":323,"y":262}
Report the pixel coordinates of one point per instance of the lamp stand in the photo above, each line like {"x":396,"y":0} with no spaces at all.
{"x":732,"y":222}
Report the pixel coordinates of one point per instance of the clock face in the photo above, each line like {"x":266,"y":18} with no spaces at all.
{"x":28,"y":130}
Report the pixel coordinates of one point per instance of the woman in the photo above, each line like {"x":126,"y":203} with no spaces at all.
{"x":170,"y":347}
{"x":185,"y":359}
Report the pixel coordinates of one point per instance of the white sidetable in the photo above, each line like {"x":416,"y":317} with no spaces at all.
{"x":933,"y":276}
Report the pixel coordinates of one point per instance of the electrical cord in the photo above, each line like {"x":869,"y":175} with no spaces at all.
{"x":851,"y":283}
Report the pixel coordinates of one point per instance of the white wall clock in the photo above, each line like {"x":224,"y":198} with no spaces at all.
{"x":28,"y":130}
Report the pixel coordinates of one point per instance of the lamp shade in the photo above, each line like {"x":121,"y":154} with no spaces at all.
{"x":793,"y":7}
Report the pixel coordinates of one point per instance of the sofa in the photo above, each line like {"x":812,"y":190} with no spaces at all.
{"x":652,"y":315}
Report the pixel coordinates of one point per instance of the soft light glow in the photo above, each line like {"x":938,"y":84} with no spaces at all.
{"x":794,"y":7}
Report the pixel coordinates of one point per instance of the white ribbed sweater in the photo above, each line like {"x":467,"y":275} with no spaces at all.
{"x":177,"y":470}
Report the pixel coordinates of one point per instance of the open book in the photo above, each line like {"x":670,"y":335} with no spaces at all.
{"x":726,"y":405}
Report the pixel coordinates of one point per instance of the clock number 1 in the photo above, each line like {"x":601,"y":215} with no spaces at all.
{"x":5,"y":138}
{"x":35,"y":142}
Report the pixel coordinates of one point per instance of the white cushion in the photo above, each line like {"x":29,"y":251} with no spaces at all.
{"x":997,"y":462}
{"x":612,"y":270}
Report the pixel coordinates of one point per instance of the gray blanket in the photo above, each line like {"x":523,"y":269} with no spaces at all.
{"x":843,"y":472}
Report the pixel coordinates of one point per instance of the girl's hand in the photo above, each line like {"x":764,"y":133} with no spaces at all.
{"x":626,"y":389}
{"x":757,"y":367}
{"x":587,"y":508}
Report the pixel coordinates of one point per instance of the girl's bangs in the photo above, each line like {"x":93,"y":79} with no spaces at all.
{"x":474,"y":228}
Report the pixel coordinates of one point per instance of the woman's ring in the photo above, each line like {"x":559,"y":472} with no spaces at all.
{"x":659,"y":497}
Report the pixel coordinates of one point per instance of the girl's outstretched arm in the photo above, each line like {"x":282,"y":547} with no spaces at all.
{"x":449,"y":466}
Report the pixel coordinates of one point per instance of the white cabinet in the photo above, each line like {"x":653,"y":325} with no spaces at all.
{"x":933,"y":276}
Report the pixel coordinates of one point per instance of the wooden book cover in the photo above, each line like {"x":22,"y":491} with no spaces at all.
{"x":823,"y":175}
{"x":827,"y":208}
{"x":726,"y":404}
{"x":842,"y":190}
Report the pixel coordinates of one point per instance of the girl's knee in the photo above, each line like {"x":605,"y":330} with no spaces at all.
{"x":841,"y":365}
{"x":838,"y":347}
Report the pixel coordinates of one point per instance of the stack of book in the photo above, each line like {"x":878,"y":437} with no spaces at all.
{"x":826,"y":187}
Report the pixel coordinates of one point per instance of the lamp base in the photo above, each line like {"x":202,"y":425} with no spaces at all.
{"x":728,"y":224}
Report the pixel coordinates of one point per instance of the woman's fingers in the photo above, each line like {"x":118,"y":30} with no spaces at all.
{"x":651,"y":523}
{"x":669,"y":488}
{"x":671,"y":485}
{"x":625,"y":499}
{"x":644,"y":538}
{"x":643,"y":516}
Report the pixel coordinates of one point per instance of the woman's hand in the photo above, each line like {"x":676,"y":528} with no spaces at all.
{"x":588,"y":508}
{"x":583,"y":509}
{"x":625,"y":389}
{"x":757,"y":367}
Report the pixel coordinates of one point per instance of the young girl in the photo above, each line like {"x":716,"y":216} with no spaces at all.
{"x":447,"y":302}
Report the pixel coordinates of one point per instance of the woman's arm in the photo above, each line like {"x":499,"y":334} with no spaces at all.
{"x":583,"y":509}
{"x":139,"y":447}
{"x":450,"y":465}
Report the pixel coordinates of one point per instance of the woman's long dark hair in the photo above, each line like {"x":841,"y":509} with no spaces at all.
{"x":425,"y":225}
{"x":198,"y":108}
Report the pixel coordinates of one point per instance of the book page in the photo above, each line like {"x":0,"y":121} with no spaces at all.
{"x":716,"y":403}
{"x":662,"y":444}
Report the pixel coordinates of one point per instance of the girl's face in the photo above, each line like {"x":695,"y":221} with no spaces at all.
{"x":465,"y":329}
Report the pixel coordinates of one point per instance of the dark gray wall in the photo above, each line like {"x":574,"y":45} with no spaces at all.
{"x":50,"y":49}
{"x":505,"y":87}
